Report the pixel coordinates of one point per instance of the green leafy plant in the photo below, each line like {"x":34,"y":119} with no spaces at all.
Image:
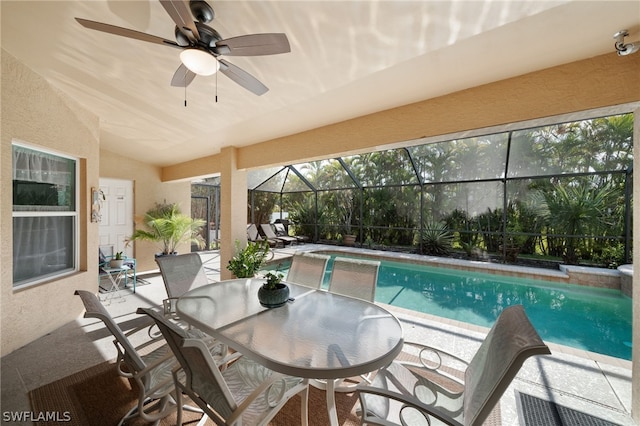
{"x":118,"y":256}
{"x":272,"y":280}
{"x":436,"y":239}
{"x":167,"y":226}
{"x":248,"y":260}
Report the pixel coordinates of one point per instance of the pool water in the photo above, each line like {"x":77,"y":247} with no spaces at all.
{"x":592,"y":319}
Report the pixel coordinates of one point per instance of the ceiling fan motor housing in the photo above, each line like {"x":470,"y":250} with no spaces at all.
{"x":208,"y":36}
{"x":202,"y":11}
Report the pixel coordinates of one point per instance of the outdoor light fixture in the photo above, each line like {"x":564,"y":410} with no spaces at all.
{"x":622,"y":48}
{"x":199,"y":61}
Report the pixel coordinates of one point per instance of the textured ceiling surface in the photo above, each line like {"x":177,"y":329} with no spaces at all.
{"x":347,"y":59}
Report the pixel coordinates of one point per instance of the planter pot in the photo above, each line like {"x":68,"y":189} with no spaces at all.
{"x":114,"y":263}
{"x":349,"y":240}
{"x":173,"y":253}
{"x":273,"y":298}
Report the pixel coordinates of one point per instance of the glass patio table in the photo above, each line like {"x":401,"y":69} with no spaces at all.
{"x":319,"y":335}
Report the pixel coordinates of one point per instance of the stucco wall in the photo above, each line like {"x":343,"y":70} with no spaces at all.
{"x":35,"y":113}
{"x":148,"y":190}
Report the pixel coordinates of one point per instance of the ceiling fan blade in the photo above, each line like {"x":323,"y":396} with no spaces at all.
{"x":182,"y":77}
{"x":125,"y":32}
{"x":178,"y":10}
{"x":254,"y":45}
{"x":243,"y":78}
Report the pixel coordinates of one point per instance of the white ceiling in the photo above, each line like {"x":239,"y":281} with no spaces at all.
{"x":348,"y":58}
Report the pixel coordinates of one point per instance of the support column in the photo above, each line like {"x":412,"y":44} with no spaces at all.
{"x":635,"y":280}
{"x":233,"y":208}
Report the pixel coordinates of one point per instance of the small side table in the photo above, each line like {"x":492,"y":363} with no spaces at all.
{"x":116,"y":277}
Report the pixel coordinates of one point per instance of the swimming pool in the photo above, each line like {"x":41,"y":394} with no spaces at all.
{"x":592,"y":319}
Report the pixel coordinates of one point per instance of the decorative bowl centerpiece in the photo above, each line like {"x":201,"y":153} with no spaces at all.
{"x":273,"y":292}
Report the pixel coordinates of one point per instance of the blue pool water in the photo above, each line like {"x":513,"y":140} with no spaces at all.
{"x":596,"y":320}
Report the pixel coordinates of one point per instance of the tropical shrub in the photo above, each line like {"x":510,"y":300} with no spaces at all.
{"x":436,"y":239}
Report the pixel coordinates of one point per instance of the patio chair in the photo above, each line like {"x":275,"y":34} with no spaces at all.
{"x":267,"y":231}
{"x":308,"y":269}
{"x":180,"y":274}
{"x":149,"y":364}
{"x":354,"y":278}
{"x":245,"y":393}
{"x":417,"y":389}
{"x":130,"y":262}
{"x":254,"y":236}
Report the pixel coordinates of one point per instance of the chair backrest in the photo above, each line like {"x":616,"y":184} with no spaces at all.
{"x":354,"y":277}
{"x":308,"y":269}
{"x":252,"y":233}
{"x":95,"y":309}
{"x":280,"y":229}
{"x":268,"y":231}
{"x":202,"y":376}
{"x":511,"y":340}
{"x":181,"y":273}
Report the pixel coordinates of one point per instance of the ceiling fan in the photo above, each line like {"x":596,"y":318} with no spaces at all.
{"x":202,"y":46}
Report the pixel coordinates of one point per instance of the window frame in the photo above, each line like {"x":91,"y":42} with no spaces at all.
{"x":73,"y":213}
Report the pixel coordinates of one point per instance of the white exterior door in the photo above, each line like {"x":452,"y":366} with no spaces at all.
{"x":117,"y":215}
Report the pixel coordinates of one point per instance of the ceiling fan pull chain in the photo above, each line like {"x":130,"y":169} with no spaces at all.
{"x":216,"y":87}
{"x":185,"y":95}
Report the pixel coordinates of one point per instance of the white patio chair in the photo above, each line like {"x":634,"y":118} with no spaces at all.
{"x":354,"y":278}
{"x":180,"y":274}
{"x":245,"y":393}
{"x":418,"y":388}
{"x":308,"y":269}
{"x":150,"y":364}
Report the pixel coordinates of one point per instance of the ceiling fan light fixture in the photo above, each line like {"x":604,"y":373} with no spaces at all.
{"x":199,"y":61}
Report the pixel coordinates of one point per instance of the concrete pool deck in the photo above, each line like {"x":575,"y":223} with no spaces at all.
{"x":594,"y":384}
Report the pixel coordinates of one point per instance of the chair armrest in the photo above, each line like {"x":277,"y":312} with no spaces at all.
{"x":405,"y":400}
{"x":149,"y":325}
{"x":433,"y":359}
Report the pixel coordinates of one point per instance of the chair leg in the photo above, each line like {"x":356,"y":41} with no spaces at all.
{"x":179,"y":404}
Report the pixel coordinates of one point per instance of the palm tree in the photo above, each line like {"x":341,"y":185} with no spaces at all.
{"x":168,"y":226}
{"x":576,"y":210}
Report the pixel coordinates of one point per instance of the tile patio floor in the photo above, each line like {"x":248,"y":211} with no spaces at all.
{"x":587,"y":382}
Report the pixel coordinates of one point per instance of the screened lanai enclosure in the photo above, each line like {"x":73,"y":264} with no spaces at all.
{"x":555,"y":193}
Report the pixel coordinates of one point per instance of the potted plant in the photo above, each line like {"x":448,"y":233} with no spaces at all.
{"x":116,"y":261}
{"x":248,"y":260}
{"x":273,"y":292}
{"x":166,"y":225}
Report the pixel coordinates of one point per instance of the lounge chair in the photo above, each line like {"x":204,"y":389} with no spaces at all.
{"x":245,"y":393}
{"x":267,"y":231}
{"x":254,"y":236}
{"x":308,"y":269}
{"x":419,"y":386}
{"x":282,"y":230}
